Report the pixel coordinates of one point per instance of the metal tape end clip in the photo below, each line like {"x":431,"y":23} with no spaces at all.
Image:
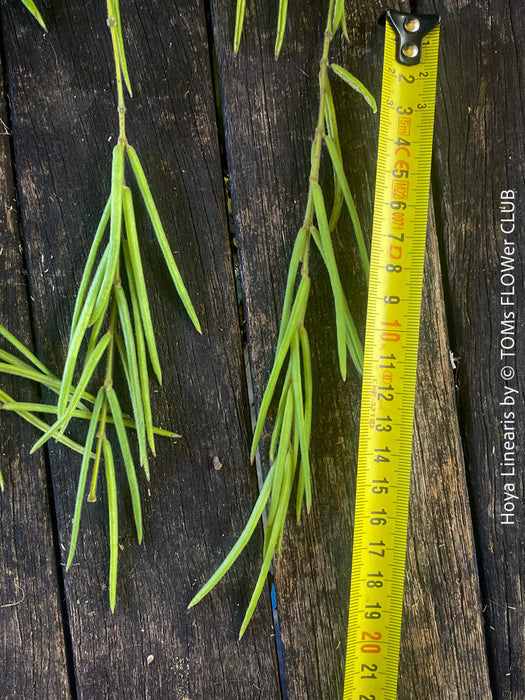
{"x":410,"y":31}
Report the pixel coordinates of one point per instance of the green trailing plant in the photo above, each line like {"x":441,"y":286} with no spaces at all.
{"x":290,"y":438}
{"x":106,"y":329}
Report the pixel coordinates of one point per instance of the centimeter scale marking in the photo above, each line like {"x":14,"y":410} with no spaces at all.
{"x":389,"y":376}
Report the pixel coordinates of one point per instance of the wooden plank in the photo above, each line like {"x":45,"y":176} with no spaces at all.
{"x":65,"y":123}
{"x":270,"y":111}
{"x":480,"y":142}
{"x":443,"y":649}
{"x":33,"y":657}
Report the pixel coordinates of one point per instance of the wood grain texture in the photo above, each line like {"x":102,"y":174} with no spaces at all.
{"x":269,"y":129}
{"x":480,"y":139}
{"x":32,"y":640}
{"x":443,"y":646}
{"x":65,"y":120}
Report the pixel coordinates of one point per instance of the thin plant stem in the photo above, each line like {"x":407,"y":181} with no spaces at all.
{"x":121,"y":107}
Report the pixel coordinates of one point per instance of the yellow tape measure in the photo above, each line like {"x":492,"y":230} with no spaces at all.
{"x":389,"y":377}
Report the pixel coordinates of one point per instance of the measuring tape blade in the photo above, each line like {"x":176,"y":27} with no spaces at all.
{"x":389,"y":375}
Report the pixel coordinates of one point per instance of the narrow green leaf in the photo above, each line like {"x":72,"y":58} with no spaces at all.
{"x":141,"y":352}
{"x":94,"y":294}
{"x":339,"y":169}
{"x":125,"y":364}
{"x":239,"y":21}
{"x":91,"y":362}
{"x":14,"y":360}
{"x":116,"y":412}
{"x":293,"y":458}
{"x":117,"y":185}
{"x":16,"y":406}
{"x":308,"y":400}
{"x":299,"y":496}
{"x":339,"y":9}
{"x":330,"y":115}
{"x":277,"y":428}
{"x":123,"y":356}
{"x":296,"y":319}
{"x":299,"y":412}
{"x":280,"y":412}
{"x":355,"y":347}
{"x":19,"y":368}
{"x":83,"y":475}
{"x":27,"y":406}
{"x":337,"y":204}
{"x":87,"y":372}
{"x":42,"y":425}
{"x":297,"y":254}
{"x":113,"y":521}
{"x":136,"y":277}
{"x":308,"y":381}
{"x":355,"y":84}
{"x":34,"y":11}
{"x":276,"y":530}
{"x":339,"y":18}
{"x":317,"y":240}
{"x":47,"y":409}
{"x":352,"y":339}
{"x":162,"y":432}
{"x":81,"y":414}
{"x":344,"y":27}
{"x":23,"y":350}
{"x":10,"y":364}
{"x":333,"y":131}
{"x":281,"y":25}
{"x":101,"y":436}
{"x":331,"y":265}
{"x":74,"y":346}
{"x":95,"y":333}
{"x":161,"y":236}
{"x":280,"y":463}
{"x":133,"y":375}
{"x":33,"y":375}
{"x":82,"y":290}
{"x":242,"y":540}
{"x":42,"y":408}
{"x":120,"y":45}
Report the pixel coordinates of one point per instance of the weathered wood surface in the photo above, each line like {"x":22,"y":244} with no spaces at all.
{"x":64,"y":124}
{"x":480,"y":131}
{"x":463,"y":634}
{"x":33,"y":638}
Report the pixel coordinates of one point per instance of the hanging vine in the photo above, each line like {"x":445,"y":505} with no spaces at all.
{"x":290,"y":442}
{"x":111,"y":323}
